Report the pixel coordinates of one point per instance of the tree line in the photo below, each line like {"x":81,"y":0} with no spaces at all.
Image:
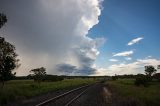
{"x":142,"y":79}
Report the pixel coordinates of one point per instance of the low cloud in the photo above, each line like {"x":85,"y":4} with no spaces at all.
{"x":129,"y":68}
{"x":68,"y":69}
{"x":125,"y":53}
{"x":136,"y":40}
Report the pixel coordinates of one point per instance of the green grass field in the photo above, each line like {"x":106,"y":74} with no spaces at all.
{"x":150,"y":96}
{"x":26,"y":88}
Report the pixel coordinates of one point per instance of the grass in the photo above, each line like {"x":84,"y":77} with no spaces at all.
{"x":147,"y":95}
{"x":26,"y":88}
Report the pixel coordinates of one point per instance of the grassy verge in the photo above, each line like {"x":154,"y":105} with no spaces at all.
{"x":150,"y":96}
{"x":27,"y":88}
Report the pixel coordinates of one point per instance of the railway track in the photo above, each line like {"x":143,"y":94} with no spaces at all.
{"x":65,"y":99}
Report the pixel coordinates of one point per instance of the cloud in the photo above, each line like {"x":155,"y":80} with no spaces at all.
{"x":128,"y":68}
{"x":113,"y":60}
{"x":148,"y":57}
{"x":51,"y":32}
{"x":66,"y":69}
{"x":125,"y":53}
{"x":128,"y":58}
{"x":136,"y":40}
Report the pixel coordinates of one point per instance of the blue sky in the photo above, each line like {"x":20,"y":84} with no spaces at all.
{"x":124,"y":20}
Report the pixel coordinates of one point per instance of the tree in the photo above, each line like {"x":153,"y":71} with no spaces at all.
{"x":157,"y":76}
{"x":38,"y":74}
{"x":8,"y":56}
{"x":149,"y":70}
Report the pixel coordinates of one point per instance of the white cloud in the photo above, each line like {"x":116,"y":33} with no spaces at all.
{"x":128,"y":58}
{"x":125,"y":53}
{"x":136,"y":40}
{"x":148,"y":57}
{"x":113,"y":60}
{"x":51,"y":32}
{"x":128,"y":68}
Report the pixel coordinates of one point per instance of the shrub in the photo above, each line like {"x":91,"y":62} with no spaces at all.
{"x":143,"y":80}
{"x":114,"y":78}
{"x":53,"y":78}
{"x":157,"y":76}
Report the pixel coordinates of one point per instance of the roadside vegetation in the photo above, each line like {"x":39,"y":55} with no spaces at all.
{"x":149,"y":96}
{"x":137,"y":90}
{"x":18,"y":89}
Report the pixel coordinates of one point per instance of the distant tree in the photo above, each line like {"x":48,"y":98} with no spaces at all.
{"x":53,"y":78}
{"x":115,"y":77}
{"x":38,"y":74}
{"x":140,"y":75}
{"x":8,"y":56}
{"x":3,"y":19}
{"x":141,"y":80}
{"x":149,"y":70}
{"x":157,"y":76}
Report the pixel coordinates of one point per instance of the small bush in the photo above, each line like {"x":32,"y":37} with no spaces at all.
{"x":157,"y":76}
{"x":114,"y":78}
{"x":33,"y":86}
{"x":53,"y":78}
{"x":143,"y":80}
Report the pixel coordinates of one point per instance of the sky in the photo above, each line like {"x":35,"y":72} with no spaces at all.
{"x":83,"y":37}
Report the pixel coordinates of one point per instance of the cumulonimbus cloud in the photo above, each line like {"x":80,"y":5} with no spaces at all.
{"x":52,"y":32}
{"x":136,"y":40}
{"x":125,"y":53}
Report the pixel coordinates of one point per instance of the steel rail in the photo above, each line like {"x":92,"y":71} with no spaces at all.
{"x":71,"y":101}
{"x":64,"y":94}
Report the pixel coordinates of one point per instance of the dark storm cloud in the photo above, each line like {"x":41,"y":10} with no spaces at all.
{"x":87,"y":71}
{"x":67,"y":69}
